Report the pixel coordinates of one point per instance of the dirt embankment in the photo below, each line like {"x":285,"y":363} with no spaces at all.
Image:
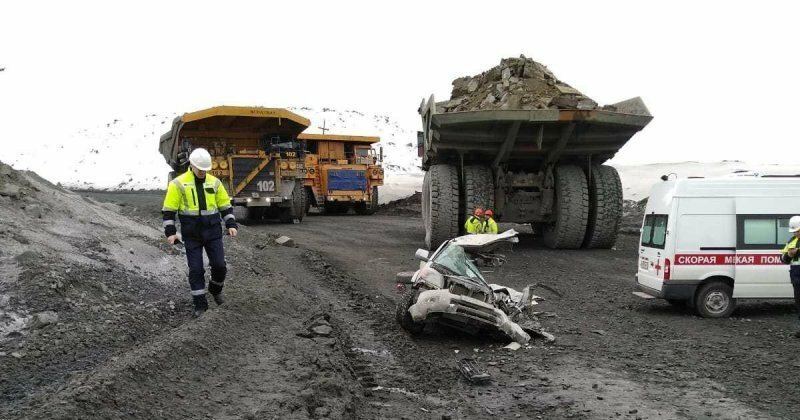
{"x":408,"y":206}
{"x":78,"y":282}
{"x":95,"y":320}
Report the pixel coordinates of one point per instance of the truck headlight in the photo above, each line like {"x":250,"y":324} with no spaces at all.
{"x":292,"y":165}
{"x":284,"y":165}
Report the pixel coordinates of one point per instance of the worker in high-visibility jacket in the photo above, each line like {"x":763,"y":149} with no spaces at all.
{"x":790,"y":255}
{"x":474,"y":223}
{"x":201,"y":204}
{"x":489,"y":225}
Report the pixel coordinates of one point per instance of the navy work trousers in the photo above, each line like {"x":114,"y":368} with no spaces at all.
{"x":216,"y":259}
{"x":794,"y":276}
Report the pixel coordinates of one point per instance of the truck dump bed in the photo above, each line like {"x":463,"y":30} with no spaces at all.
{"x":525,"y":137}
{"x":230,"y":122}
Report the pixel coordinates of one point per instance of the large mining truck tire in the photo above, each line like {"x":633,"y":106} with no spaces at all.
{"x":296,"y":210}
{"x":571,"y":208}
{"x":605,"y":207}
{"x":372,"y":207}
{"x":309,"y":194}
{"x":441,"y":213}
{"x":478,"y":190}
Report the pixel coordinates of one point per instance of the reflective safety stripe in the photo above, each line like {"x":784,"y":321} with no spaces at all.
{"x":168,"y":209}
{"x":198,"y":292}
{"x":230,"y":216}
{"x":168,"y":223}
{"x":223,"y":208}
{"x":198,"y":213}
{"x":216,"y":283}
{"x":182,"y":189}
{"x":796,"y":262}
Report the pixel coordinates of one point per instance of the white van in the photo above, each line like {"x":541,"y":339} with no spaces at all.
{"x":709,"y":242}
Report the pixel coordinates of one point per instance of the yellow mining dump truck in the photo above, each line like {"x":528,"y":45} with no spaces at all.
{"x":342,"y":172}
{"x":255,"y":152}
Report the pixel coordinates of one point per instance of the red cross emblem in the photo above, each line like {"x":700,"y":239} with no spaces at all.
{"x":658,"y":267}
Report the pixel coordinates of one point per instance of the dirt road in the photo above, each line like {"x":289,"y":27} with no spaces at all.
{"x":309,"y":332}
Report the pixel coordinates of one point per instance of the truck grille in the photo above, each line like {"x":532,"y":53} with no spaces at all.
{"x":475,"y":311}
{"x":458,"y":289}
{"x":264,"y":183}
{"x":347,"y":180}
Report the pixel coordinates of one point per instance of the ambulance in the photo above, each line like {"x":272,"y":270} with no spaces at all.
{"x":710,"y":242}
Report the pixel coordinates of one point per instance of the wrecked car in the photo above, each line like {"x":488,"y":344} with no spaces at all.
{"x":449,"y":289}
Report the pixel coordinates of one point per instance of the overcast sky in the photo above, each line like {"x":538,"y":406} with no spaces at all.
{"x":721,"y":78}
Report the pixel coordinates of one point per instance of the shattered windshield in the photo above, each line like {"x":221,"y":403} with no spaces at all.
{"x":454,"y":259}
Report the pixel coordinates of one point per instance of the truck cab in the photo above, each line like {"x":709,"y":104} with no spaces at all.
{"x":342,"y":172}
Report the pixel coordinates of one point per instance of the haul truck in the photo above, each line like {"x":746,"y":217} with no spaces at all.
{"x":342,"y":172}
{"x":543,"y":167}
{"x":255,"y":153}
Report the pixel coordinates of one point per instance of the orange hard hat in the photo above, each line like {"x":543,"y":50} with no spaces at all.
{"x":488,"y":213}
{"x":478,"y":212}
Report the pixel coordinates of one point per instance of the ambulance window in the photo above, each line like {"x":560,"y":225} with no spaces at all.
{"x":783,"y":231}
{"x":659,"y":231}
{"x":647,"y":229}
{"x":654,"y":230}
{"x":757,"y":231}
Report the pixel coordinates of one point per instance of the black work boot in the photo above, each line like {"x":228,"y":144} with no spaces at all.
{"x":219,"y":299}
{"x":200,"y":305}
{"x":198,"y":311}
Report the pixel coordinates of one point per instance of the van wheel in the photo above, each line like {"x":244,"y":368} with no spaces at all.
{"x":715,"y":300}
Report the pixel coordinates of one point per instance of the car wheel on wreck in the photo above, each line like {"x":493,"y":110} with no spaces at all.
{"x":404,"y":317}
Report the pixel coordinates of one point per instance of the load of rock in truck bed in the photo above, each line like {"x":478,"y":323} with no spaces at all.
{"x":517,"y":83}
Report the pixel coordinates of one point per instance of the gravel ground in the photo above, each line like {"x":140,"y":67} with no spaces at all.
{"x":309,"y":332}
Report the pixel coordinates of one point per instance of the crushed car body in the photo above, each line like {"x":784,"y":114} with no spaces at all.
{"x":449,"y":289}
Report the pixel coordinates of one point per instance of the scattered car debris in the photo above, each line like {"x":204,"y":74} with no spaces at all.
{"x":513,"y":346}
{"x":317,"y":326}
{"x":450,"y":290}
{"x":470,"y":371}
{"x":286,"y":241}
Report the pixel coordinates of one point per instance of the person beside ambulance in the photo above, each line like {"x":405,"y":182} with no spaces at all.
{"x":790,"y":255}
{"x":474,"y":223}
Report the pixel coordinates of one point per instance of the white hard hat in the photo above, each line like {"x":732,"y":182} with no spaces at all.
{"x":201,"y":159}
{"x":794,"y":224}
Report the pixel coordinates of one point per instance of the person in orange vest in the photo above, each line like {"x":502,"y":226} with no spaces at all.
{"x":474,"y":223}
{"x":489,"y":225}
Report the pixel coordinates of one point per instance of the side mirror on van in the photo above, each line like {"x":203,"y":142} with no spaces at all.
{"x":422,"y":255}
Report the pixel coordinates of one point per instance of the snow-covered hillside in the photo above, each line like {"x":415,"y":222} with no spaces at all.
{"x":123,"y":153}
{"x":639,"y":179}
